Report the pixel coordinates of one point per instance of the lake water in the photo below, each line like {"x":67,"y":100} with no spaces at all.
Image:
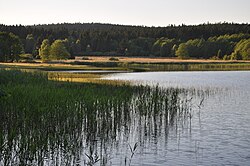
{"x":176,"y":118}
{"x":217,"y":131}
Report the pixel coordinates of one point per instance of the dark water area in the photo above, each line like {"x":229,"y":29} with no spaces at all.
{"x":175,"y":118}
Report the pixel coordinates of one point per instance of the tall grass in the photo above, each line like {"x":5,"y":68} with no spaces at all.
{"x":170,"y":66}
{"x":187,"y":66}
{"x":45,"y":122}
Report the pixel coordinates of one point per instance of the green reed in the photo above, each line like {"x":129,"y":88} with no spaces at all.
{"x":46,"y":122}
{"x":187,"y":66}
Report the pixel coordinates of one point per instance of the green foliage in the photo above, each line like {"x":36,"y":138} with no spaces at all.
{"x":54,"y":52}
{"x":222,"y":43}
{"x":26,"y":56}
{"x":235,"y":56}
{"x":54,"y":121}
{"x":214,"y":47}
{"x":107,"y":39}
{"x":183,"y":51}
{"x":226,"y":57}
{"x":10,"y":47}
{"x":234,"y":37}
{"x":77,"y":47}
{"x":192,"y":49}
{"x":58,"y":50}
{"x":69,"y":44}
{"x":30,"y":44}
{"x":140,"y":47}
{"x":44,"y":51}
{"x":165,"y":47}
{"x":219,"y":53}
{"x":242,"y":50}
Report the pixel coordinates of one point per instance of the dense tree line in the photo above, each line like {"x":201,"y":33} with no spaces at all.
{"x":200,"y":41}
{"x":222,"y":47}
{"x":10,"y":47}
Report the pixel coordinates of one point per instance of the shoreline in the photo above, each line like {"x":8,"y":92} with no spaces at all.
{"x":131,"y":64}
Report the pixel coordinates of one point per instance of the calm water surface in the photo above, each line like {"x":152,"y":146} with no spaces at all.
{"x":217,"y":131}
{"x":177,"y":118}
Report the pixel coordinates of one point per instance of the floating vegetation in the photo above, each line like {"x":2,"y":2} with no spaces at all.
{"x":44,"y":122}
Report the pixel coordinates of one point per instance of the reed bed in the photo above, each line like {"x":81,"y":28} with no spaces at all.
{"x":45,"y":122}
{"x":164,"y":65}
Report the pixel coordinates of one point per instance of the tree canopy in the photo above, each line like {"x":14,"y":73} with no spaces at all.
{"x":44,"y":50}
{"x":217,"y":47}
{"x":201,"y":41}
{"x":58,"y":50}
{"x":10,"y":47}
{"x":242,"y":50}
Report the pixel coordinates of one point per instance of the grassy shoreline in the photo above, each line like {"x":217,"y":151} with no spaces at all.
{"x":133,"y":64}
{"x":102,"y":65}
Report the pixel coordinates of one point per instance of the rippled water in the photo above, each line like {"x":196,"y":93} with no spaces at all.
{"x":218,"y":132}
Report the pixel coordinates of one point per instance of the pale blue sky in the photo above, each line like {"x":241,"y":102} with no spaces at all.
{"x":128,"y":12}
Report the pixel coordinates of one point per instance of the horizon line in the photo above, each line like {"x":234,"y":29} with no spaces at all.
{"x":175,"y":25}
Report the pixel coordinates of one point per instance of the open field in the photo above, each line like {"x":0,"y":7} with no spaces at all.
{"x":129,"y":63}
{"x":150,"y":60}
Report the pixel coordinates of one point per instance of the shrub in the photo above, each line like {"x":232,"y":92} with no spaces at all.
{"x":114,"y":59}
{"x":26,"y":56}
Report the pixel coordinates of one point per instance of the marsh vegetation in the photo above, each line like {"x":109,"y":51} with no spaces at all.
{"x":48,"y":122}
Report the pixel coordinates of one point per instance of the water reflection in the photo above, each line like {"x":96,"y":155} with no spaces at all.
{"x":106,"y":131}
{"x":219,"y":132}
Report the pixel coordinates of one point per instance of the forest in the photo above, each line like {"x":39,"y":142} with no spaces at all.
{"x":228,"y":41}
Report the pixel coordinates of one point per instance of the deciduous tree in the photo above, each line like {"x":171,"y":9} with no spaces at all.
{"x":44,"y":51}
{"x":58,"y":50}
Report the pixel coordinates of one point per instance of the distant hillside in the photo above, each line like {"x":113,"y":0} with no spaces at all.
{"x":183,"y":32}
{"x":110,"y":39}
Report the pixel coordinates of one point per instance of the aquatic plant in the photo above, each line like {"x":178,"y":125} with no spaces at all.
{"x":45,"y":122}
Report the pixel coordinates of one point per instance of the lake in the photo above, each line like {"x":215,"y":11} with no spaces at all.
{"x":166,"y":118}
{"x":217,"y":132}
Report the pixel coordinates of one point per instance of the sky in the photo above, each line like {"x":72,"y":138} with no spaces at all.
{"x":125,"y":12}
